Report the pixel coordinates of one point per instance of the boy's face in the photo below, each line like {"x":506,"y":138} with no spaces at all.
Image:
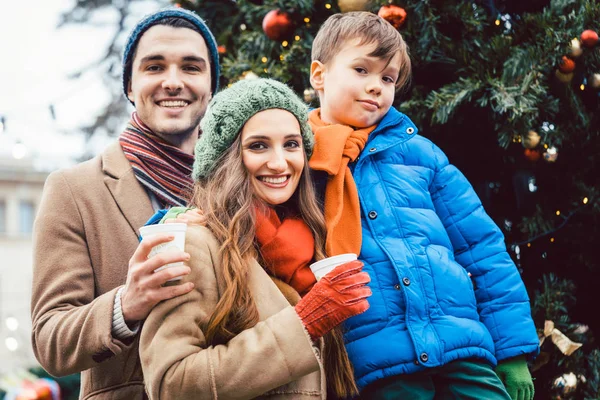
{"x":354,"y":88}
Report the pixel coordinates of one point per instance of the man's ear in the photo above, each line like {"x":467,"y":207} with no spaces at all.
{"x":130,"y":92}
{"x":317,"y":70}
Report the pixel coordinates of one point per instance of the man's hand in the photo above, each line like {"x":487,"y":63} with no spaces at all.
{"x":144,"y":287}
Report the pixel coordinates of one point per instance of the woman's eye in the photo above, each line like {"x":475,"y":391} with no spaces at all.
{"x":360,"y":70}
{"x":389,"y":79}
{"x":257,"y":146}
{"x":293,"y":144}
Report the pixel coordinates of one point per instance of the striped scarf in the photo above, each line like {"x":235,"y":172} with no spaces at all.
{"x":160,"y":167}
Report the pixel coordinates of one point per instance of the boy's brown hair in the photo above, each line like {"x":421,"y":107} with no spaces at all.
{"x":370,"y":28}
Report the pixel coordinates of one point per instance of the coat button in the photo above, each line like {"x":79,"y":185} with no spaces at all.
{"x":410,"y":130}
{"x":372,"y":214}
{"x":397,"y":287}
{"x":424,"y":357}
{"x":406,"y":281}
{"x":372,"y":149}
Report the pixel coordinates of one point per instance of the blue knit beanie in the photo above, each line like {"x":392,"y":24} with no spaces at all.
{"x":230,"y":109}
{"x":151,"y":20}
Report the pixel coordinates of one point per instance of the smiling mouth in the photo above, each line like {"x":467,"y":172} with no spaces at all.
{"x":274,"y":181}
{"x":173,"y":103}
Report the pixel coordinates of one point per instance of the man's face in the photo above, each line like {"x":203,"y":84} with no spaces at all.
{"x":354,"y":88}
{"x":171,"y":82}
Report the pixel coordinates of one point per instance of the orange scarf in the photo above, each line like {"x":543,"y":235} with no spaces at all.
{"x":335,"y":147}
{"x":287,"y":248}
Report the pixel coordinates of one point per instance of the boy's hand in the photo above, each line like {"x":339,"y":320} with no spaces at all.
{"x":513,"y":372}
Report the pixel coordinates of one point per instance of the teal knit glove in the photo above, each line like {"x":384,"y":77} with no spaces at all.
{"x":513,"y":372}
{"x":174,"y":212}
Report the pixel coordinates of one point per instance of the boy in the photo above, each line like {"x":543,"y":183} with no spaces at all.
{"x":392,"y":197}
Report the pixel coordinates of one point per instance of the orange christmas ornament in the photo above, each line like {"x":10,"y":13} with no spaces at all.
{"x":277,"y":25}
{"x":566,"y":65}
{"x":589,"y":38}
{"x":532,"y":155}
{"x":393,"y":14}
{"x":221,"y":49}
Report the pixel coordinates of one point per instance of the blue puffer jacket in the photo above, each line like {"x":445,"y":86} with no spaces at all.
{"x":423,"y":229}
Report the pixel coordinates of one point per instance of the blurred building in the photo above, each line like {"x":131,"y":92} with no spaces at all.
{"x":21,"y":187}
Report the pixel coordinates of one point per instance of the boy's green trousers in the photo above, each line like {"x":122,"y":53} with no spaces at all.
{"x":461,"y":379}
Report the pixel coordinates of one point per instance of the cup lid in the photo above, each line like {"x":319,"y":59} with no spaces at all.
{"x":334,"y":260}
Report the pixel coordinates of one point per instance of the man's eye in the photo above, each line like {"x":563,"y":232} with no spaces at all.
{"x":153,"y":68}
{"x":193,"y":68}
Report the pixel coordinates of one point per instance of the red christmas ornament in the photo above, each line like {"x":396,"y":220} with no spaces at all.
{"x":589,"y":38}
{"x":566,"y":65}
{"x":532,"y":155}
{"x":277,"y":25}
{"x":221,"y":49}
{"x":393,"y":14}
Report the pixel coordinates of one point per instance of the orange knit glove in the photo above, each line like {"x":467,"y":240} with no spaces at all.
{"x":338,"y":296}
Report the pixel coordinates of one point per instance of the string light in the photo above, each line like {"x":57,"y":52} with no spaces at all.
{"x":264,"y":59}
{"x":585,"y":200}
{"x":296,"y":38}
{"x":528,"y":244}
{"x":328,"y":6}
{"x":281,"y":57}
{"x":284,"y":43}
{"x":265,"y":70}
{"x":545,"y":146}
{"x":582,"y":86}
{"x":557,"y":212}
{"x":497,"y":22}
{"x":551,"y":240}
{"x":243,"y":27}
{"x":307,"y":20}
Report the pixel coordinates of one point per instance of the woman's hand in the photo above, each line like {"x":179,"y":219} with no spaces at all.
{"x":192,"y":216}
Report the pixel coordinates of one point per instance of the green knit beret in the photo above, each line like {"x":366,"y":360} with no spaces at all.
{"x":232,"y":107}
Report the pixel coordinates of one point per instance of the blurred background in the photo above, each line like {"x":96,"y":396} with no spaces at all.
{"x":509,"y":89}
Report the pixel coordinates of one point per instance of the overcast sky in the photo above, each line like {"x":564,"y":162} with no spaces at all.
{"x":36,"y":61}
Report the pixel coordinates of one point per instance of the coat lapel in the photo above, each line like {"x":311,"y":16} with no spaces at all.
{"x":130,"y":196}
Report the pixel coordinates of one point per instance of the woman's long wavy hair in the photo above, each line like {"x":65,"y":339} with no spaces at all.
{"x":227,"y":200}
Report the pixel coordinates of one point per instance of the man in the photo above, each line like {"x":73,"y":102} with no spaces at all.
{"x":93,"y":282}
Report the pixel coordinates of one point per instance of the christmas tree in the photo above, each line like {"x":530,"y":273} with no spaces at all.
{"x":510,"y":91}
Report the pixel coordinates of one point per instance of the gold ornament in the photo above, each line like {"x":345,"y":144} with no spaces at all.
{"x":249,"y":75}
{"x":564,"y":78}
{"x":595,"y":81}
{"x":353,"y":5}
{"x":564,"y":344}
{"x":576,"y":49}
{"x":565,"y":385}
{"x":309,"y":95}
{"x":551,"y":155}
{"x":531,"y":140}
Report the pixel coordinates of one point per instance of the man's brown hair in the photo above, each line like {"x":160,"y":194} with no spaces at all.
{"x":369,"y":28}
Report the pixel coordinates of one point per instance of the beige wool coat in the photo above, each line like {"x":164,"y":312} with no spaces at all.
{"x":275,"y":359}
{"x":85,"y":233}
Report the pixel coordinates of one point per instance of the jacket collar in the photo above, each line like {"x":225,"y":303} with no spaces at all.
{"x":129,"y":194}
{"x":394,"y":128}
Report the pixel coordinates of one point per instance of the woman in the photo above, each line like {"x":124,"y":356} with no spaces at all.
{"x":244,"y":331}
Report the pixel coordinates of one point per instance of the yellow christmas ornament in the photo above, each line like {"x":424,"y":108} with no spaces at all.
{"x":564,"y":78}
{"x":531,"y":140}
{"x":353,"y":5}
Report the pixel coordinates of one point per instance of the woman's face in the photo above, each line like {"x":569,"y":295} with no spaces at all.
{"x":273,"y":155}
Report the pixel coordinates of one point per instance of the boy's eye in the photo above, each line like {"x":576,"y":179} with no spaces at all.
{"x":389,"y":79}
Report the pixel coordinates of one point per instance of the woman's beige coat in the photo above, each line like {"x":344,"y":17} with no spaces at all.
{"x":275,"y":358}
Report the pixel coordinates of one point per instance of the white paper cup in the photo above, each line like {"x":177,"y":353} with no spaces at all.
{"x":324,"y":266}
{"x":177,"y":244}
